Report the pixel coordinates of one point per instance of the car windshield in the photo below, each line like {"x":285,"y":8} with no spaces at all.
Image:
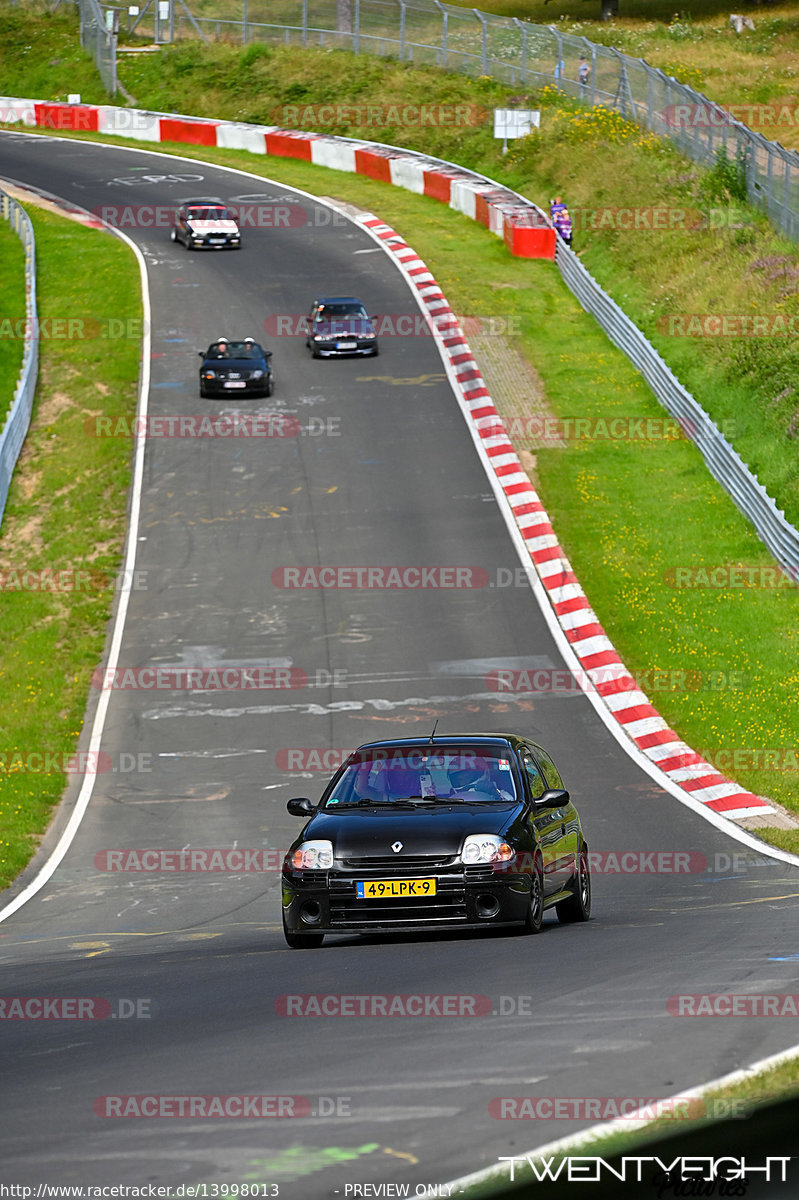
{"x":342,"y":312}
{"x":208,"y":212}
{"x":246,"y":350}
{"x":425,"y":775}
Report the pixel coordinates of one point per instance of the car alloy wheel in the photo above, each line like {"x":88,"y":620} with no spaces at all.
{"x":535,"y":911}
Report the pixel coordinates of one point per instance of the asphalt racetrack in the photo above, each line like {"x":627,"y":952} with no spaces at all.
{"x":193,"y":964}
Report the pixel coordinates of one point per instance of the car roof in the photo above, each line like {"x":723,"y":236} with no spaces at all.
{"x":447,"y":739}
{"x":203,"y":200}
{"x":338,"y":300}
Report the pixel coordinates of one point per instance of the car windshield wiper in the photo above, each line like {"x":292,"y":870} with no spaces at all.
{"x":438,"y":799}
{"x":365,"y":802}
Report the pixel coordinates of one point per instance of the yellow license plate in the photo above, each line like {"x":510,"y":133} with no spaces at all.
{"x":394,"y":889}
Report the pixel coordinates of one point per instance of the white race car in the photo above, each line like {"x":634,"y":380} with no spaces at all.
{"x":202,"y":224}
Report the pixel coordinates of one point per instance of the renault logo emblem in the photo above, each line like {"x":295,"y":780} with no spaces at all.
{"x":396,"y":847}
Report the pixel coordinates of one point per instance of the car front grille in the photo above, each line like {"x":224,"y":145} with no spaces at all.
{"x":447,"y":906}
{"x":399,"y":863}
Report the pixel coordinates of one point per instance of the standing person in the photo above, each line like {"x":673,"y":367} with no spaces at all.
{"x":556,"y":207}
{"x":560,"y":69}
{"x":583,"y":74}
{"x":563,"y":223}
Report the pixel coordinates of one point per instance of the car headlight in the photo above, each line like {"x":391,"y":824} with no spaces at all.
{"x":209,"y":374}
{"x":485,"y":848}
{"x":313,"y":856}
{"x":319,"y":337}
{"x":367,"y":335}
{"x":257,"y":375}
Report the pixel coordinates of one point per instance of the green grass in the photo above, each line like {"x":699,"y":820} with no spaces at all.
{"x":12,"y":312}
{"x":41,"y":55}
{"x":66,"y":510}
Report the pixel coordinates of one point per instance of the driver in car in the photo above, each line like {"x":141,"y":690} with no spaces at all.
{"x":476,"y":783}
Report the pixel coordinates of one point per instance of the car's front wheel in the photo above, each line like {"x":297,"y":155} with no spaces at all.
{"x":535,"y":907}
{"x":578,"y":906}
{"x":270,"y":385}
{"x":302,"y":941}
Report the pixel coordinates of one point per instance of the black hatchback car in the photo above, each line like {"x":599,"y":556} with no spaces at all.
{"x":236,"y":368}
{"x":452,"y":832}
{"x":340,"y":325}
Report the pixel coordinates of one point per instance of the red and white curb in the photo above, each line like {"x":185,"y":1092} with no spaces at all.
{"x":527,"y":232}
{"x":623,"y":699}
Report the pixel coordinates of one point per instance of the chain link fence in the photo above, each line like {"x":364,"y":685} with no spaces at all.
{"x":19,"y":415}
{"x":98,"y":35}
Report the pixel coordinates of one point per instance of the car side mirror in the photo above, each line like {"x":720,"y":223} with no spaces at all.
{"x":268,"y":353}
{"x":301,"y":807}
{"x":201,"y":353}
{"x":553,"y":798}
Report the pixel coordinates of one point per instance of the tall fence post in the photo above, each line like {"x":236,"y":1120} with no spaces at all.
{"x":356,"y":33}
{"x":483,"y":41}
{"x":402,"y":30}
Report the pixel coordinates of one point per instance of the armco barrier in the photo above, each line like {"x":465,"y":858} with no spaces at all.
{"x":19,"y":416}
{"x":521,"y":223}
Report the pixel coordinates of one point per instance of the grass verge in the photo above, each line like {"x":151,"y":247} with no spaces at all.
{"x":65,"y":515}
{"x":12,"y":312}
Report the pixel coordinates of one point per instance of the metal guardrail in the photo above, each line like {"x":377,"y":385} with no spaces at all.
{"x":19,"y":415}
{"x":723,"y":462}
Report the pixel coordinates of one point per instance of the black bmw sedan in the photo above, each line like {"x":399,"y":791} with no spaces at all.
{"x":452,"y":832}
{"x":340,"y":325}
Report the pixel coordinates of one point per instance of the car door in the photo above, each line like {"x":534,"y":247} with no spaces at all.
{"x":569,"y":839}
{"x":545,"y":822}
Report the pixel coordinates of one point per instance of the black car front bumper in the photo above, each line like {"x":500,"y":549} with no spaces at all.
{"x":466,"y":897}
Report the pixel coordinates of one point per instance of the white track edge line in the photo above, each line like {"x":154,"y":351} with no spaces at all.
{"x":126,"y":587}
